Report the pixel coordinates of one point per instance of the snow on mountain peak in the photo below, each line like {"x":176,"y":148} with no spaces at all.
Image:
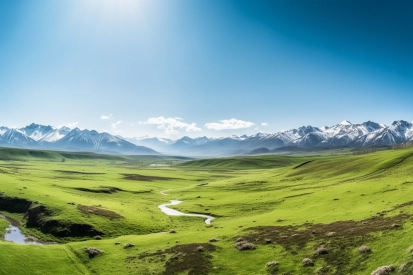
{"x":65,"y":128}
{"x":345,"y":122}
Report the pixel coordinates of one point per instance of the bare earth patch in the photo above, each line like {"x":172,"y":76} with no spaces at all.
{"x":349,"y":235}
{"x":144,"y":178}
{"x":99,"y":211}
{"x":78,"y":172}
{"x":185,"y":258}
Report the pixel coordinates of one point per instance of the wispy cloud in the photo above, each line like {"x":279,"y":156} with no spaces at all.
{"x":264,"y":124}
{"x":171,"y":125}
{"x":114,"y":126}
{"x":104,"y":117}
{"x":228,"y":124}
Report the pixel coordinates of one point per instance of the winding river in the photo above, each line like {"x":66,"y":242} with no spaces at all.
{"x":13,"y":233}
{"x":172,"y":212}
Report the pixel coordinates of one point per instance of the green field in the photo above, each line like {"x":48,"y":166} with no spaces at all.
{"x":286,"y":206}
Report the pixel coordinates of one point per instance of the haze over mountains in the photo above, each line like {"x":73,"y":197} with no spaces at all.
{"x":342,"y":135}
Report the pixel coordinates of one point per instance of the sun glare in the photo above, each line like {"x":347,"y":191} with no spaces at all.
{"x":116,"y":8}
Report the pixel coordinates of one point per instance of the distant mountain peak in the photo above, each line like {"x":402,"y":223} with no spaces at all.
{"x":345,"y":122}
{"x":65,"y":128}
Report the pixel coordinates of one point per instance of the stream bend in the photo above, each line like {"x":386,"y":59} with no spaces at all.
{"x":172,"y":212}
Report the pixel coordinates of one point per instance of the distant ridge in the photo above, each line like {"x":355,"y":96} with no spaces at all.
{"x":306,"y":138}
{"x":342,"y":135}
{"x":35,"y":136}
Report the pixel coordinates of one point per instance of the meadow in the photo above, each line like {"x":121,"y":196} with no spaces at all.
{"x":284,"y":208}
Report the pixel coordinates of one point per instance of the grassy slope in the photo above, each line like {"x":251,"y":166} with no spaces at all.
{"x":242,"y":192}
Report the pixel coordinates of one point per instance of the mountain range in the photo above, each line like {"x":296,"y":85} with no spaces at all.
{"x":342,"y":135}
{"x":37,"y":136}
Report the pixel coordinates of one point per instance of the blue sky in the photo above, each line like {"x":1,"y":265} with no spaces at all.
{"x":205,"y":67}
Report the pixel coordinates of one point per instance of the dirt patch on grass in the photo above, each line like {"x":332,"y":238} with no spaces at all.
{"x":78,"y":172}
{"x":298,"y":195}
{"x":302,"y":164}
{"x":300,"y":235}
{"x":185,"y":258}
{"x":110,"y":190}
{"x":349,"y":236}
{"x":40,"y":217}
{"x":403,"y":205}
{"x":144,"y":178}
{"x":102,"y":189}
{"x":14,"y":204}
{"x":99,"y":211}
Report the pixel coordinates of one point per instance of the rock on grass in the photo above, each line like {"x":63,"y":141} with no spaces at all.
{"x":93,"y":251}
{"x":244,"y":245}
{"x":405,"y":268}
{"x":128,"y":245}
{"x":364,"y":249}
{"x":320,"y":251}
{"x":308,"y":262}
{"x":383,"y":270}
{"x":272,"y":263}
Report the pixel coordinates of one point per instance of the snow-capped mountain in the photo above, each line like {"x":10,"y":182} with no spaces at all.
{"x":54,"y":135}
{"x":399,"y":132}
{"x":344,"y":134}
{"x":188,"y":142}
{"x":36,"y":131}
{"x":17,"y":138}
{"x":37,"y":136}
{"x":3,"y":130}
{"x":87,"y":140}
{"x":158,"y":144}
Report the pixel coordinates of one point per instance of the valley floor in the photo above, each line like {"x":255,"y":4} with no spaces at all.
{"x":266,"y":209}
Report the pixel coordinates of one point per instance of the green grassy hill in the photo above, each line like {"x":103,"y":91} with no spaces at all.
{"x":289,"y":208}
